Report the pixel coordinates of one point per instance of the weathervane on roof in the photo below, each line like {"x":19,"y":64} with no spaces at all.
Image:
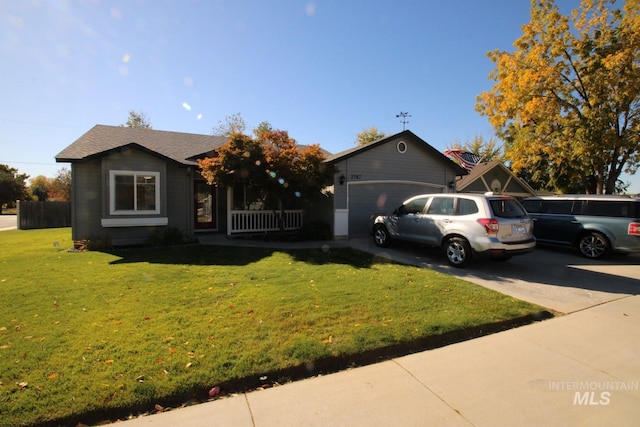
{"x":404,"y":120}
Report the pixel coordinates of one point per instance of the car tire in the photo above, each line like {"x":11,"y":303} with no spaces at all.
{"x":458,"y":251}
{"x":381,"y":236}
{"x":594,"y":245}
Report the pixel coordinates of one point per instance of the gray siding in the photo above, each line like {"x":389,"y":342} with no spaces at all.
{"x":179,"y":198}
{"x":90,"y":197}
{"x":86,"y":199}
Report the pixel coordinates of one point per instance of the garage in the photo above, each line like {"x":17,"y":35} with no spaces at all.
{"x":367,"y":198}
{"x":377,"y":177}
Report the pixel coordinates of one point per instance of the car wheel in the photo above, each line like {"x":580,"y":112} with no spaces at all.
{"x":458,"y":251}
{"x":381,"y":236}
{"x":593,"y":245}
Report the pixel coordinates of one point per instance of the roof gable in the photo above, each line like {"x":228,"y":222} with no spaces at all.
{"x":404,"y":134}
{"x":180,"y":147}
{"x":493,"y":176}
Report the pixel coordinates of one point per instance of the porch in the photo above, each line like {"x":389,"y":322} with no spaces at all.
{"x":253,"y":218}
{"x":251,"y":221}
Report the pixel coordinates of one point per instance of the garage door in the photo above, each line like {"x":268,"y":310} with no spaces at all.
{"x":366,"y":199}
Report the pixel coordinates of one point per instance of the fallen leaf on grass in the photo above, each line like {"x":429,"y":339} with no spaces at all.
{"x":52,"y":376}
{"x":214,"y":391}
{"x":188,"y":365}
{"x":109,"y":362}
{"x":22,"y":385}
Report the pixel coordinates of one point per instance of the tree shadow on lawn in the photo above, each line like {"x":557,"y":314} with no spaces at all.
{"x":261,"y":380}
{"x":240,"y":256}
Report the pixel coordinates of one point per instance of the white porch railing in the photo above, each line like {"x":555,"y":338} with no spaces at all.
{"x":257,"y":221}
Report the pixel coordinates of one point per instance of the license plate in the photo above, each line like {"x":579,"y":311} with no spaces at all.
{"x":519,"y":229}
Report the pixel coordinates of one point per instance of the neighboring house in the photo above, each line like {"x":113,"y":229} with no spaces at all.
{"x":127,"y":183}
{"x":379,"y":176}
{"x":495,"y":177}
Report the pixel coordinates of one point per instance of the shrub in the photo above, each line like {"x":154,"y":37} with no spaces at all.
{"x":315,"y":230}
{"x":168,"y":236}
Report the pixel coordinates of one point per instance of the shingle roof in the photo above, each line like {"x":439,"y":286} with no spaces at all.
{"x":177,"y":146}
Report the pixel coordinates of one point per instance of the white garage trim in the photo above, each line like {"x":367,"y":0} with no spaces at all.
{"x":396,"y":181}
{"x":340,"y":223}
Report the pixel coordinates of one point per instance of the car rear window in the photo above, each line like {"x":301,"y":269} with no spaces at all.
{"x":507,"y":208}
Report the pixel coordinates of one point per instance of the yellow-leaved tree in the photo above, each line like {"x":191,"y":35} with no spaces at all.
{"x":566,"y":101}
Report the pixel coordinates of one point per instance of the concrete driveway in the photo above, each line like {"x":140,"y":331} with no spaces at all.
{"x":555,"y":278}
{"x":8,"y":222}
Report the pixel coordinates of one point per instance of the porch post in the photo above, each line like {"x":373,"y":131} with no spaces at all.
{"x":229,"y":208}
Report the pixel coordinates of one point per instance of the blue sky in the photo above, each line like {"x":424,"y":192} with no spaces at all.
{"x":321,"y":69}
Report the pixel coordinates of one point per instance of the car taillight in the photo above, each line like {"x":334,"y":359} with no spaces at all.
{"x":634,"y":229}
{"x":490,"y":225}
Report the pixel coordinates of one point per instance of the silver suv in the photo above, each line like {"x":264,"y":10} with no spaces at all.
{"x":462,"y":224}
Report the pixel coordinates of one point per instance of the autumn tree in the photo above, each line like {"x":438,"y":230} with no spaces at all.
{"x":13,"y":186}
{"x":271,"y":165}
{"x":60,"y":186}
{"x":489,"y":150}
{"x":137,"y":120}
{"x":566,"y":101}
{"x":369,"y":135}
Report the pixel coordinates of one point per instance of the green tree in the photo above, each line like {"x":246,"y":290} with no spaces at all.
{"x":369,"y":135}
{"x":566,"y":101}
{"x":39,"y":187}
{"x":13,"y":186}
{"x":137,"y":120}
{"x":489,"y":150}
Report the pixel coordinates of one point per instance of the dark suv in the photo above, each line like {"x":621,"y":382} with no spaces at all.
{"x":595,"y":225}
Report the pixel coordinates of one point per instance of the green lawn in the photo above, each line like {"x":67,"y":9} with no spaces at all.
{"x":86,"y":336}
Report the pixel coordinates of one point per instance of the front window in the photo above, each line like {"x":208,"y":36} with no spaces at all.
{"x":134,"y":192}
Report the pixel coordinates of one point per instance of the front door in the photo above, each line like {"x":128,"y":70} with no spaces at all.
{"x":205,"y":206}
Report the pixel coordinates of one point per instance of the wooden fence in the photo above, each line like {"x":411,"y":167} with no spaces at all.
{"x":43,"y":215}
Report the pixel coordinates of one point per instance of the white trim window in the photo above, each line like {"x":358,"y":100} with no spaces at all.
{"x":134,"y":192}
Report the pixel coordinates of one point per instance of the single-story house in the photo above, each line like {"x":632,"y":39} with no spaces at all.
{"x":494,"y":176}
{"x":128,"y":183}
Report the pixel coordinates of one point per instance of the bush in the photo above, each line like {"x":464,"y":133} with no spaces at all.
{"x":168,"y":236}
{"x":315,"y":230}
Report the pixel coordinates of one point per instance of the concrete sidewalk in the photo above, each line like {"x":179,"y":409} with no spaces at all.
{"x":579,"y":369}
